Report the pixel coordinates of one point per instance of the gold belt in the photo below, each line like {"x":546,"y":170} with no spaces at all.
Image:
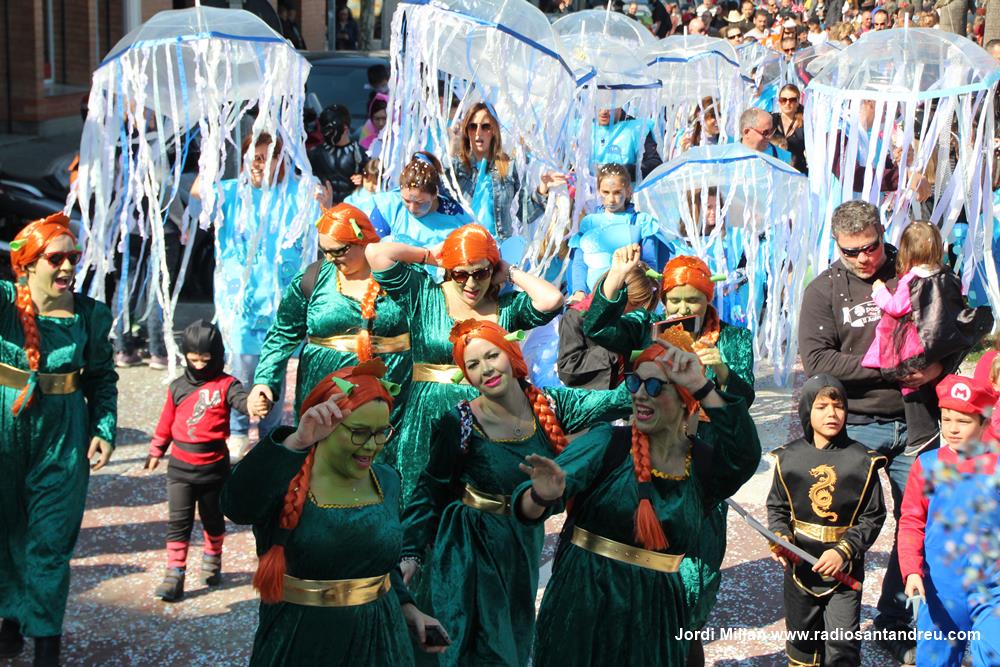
{"x":349,"y":343}
{"x":825,"y":534}
{"x":486,"y":502}
{"x":442,"y":373}
{"x":602,"y":546}
{"x":335,"y":592}
{"x":48,"y":383}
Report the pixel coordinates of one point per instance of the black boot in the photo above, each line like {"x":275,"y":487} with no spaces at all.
{"x":211,"y":569}
{"x":11,"y":641}
{"x":172,"y":587}
{"x":47,"y":651}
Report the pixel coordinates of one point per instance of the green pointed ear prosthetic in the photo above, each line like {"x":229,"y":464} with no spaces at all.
{"x":357,"y":230}
{"x":391,"y":387}
{"x":650,"y":273}
{"x":457,"y":377}
{"x":515,"y":336}
{"x":718,"y":278}
{"x":635,"y":355}
{"x":344,"y":386}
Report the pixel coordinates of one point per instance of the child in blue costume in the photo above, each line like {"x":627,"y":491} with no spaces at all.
{"x":617,"y":139}
{"x":617,"y":224}
{"x":948,"y":532}
{"x":363,"y":196}
{"x":419,"y":213}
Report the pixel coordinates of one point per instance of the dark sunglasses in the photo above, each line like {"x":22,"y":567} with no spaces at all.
{"x":56,"y":259}
{"x":462,"y":277}
{"x":854,"y":252}
{"x":361,"y":436}
{"x":485,"y":127}
{"x":654,"y":386}
{"x":335,"y":253}
{"x":789,"y":100}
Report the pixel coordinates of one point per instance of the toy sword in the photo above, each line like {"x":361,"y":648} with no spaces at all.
{"x":786,"y":548}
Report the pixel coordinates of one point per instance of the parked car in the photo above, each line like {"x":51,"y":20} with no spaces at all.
{"x":340,"y":77}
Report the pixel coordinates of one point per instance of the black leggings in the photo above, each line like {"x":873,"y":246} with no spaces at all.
{"x":182,"y":496}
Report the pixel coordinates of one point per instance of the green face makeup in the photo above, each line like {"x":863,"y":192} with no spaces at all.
{"x":347,"y":459}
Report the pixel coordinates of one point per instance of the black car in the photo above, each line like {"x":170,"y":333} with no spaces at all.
{"x":340,"y":77}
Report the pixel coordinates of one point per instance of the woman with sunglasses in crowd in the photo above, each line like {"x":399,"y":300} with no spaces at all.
{"x":619,"y":593}
{"x":339,"y":309}
{"x":474,"y":275}
{"x":418,"y":213}
{"x":481,"y":571}
{"x":58,"y":409}
{"x":325,"y":517}
{"x":789,"y":126}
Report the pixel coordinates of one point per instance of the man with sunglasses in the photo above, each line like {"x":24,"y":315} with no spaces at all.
{"x":836,"y":327}
{"x":756,"y":130}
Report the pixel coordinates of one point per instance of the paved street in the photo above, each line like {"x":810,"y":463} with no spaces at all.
{"x":113,"y":618}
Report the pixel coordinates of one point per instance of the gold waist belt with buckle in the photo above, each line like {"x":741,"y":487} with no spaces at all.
{"x":335,"y":592}
{"x":825,"y":534}
{"x":602,"y":546}
{"x":486,"y":502}
{"x":48,"y":383}
{"x":442,"y":373}
{"x":349,"y":343}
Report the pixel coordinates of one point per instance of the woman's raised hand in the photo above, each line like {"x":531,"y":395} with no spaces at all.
{"x":623,"y":262}
{"x":682,"y":368}
{"x":547,"y":478}
{"x":317,"y":423}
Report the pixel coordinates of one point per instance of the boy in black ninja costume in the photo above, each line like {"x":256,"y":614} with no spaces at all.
{"x":825,"y":498}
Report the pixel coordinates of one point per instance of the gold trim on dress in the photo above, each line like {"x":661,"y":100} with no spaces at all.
{"x":48,"y":383}
{"x":824,"y":534}
{"x":349,"y":343}
{"x":602,"y":546}
{"x":440,"y":373}
{"x":335,"y":592}
{"x":486,"y":502}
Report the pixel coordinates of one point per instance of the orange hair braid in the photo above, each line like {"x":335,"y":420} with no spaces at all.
{"x":26,"y":248}
{"x":468,"y":244}
{"x":364,"y":339}
{"x":543,"y":413}
{"x":648,"y":529}
{"x":366,"y":378}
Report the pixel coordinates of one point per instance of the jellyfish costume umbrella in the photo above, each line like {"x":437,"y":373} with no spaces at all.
{"x":810,"y":61}
{"x":761,"y":207}
{"x":929,"y":98}
{"x":185,"y":75}
{"x":691,"y":68}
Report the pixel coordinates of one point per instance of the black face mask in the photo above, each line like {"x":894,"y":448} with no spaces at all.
{"x":203,"y":337}
{"x":331,"y":125}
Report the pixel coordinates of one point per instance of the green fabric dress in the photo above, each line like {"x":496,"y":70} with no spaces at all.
{"x":327,"y":313}
{"x":44,"y":470}
{"x":329,"y":543}
{"x":482,"y":575}
{"x":421,"y":298}
{"x":607,"y":323}
{"x":598,"y":611}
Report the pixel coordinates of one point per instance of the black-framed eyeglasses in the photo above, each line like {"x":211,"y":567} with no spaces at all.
{"x":654,"y":386}
{"x":764,"y":133}
{"x":361,"y":436}
{"x":335,"y":253}
{"x":854,"y":252}
{"x":462,"y":277}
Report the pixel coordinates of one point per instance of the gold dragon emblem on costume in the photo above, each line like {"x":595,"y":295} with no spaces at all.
{"x":821,"y":493}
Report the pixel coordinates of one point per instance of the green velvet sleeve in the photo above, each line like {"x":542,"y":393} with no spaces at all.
{"x":579,"y":409}
{"x":8,"y":294}
{"x":736,"y":348}
{"x":608,"y":325}
{"x":736,"y":452}
{"x":522,"y":313}
{"x":434,"y":489}
{"x":285,"y":334}
{"x":399,"y":588}
{"x":581,"y":461}
{"x":255,"y":489}
{"x":100,"y":379}
{"x":403,"y":282}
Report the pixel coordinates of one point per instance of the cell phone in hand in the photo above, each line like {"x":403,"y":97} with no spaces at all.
{"x":690,"y":323}
{"x":434,"y":636}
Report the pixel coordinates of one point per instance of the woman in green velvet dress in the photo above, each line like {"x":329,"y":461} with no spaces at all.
{"x":326,"y":520}
{"x":345,"y":318}
{"x":58,"y":407}
{"x":482,"y":574}
{"x":474,"y":274}
{"x":724,"y":350}
{"x":617,"y":595}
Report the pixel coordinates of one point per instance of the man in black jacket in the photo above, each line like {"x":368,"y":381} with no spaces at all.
{"x":836,"y":327}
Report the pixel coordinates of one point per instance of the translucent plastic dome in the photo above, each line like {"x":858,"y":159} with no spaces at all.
{"x":693,"y":66}
{"x":911,"y":63}
{"x":810,"y":61}
{"x":610,"y":42}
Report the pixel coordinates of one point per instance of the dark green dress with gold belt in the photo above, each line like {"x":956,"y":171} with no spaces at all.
{"x":330,"y":542}
{"x":328,"y":313}
{"x":44,"y":470}
{"x":607,"y":323}
{"x":598,"y":611}
{"x":423,"y":302}
{"x":482,"y":574}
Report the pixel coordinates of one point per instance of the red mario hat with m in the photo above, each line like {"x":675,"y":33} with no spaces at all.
{"x":963,"y":394}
